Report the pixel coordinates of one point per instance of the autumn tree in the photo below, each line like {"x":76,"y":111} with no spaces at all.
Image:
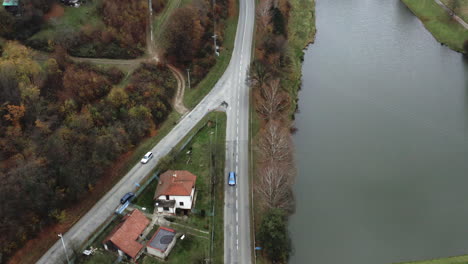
{"x":272,"y":101}
{"x":182,"y":36}
{"x":85,"y":85}
{"x":274,"y":143}
{"x":274,"y":185}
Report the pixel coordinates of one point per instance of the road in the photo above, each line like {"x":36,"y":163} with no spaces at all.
{"x":230,"y":88}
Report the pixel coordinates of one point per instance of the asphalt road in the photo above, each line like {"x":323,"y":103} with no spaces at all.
{"x":230,"y":88}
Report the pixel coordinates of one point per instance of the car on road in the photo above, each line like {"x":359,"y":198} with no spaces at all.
{"x":147,"y":157}
{"x":232,"y":178}
{"x":127,"y":197}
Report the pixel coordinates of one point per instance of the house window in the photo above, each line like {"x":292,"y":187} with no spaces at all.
{"x":166,"y":208}
{"x":181,"y":203}
{"x":167,"y":197}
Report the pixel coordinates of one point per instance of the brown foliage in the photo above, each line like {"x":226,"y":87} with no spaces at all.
{"x":273,"y":185}
{"x":271,"y":100}
{"x":274,"y":143}
{"x":127,"y":19}
{"x":84,"y":84}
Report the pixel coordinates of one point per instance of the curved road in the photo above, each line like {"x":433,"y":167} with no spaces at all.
{"x":230,"y":88}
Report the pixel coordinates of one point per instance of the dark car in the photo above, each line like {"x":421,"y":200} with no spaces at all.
{"x":127,"y":197}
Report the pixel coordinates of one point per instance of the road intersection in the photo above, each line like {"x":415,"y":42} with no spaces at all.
{"x":230,"y":88}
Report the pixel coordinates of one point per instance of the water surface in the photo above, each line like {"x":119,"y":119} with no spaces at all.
{"x":382,"y":146}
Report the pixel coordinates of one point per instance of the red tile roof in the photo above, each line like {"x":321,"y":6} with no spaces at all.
{"x":124,"y":236}
{"x":175,"y":183}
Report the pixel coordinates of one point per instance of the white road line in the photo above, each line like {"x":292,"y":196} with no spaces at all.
{"x":237,"y":203}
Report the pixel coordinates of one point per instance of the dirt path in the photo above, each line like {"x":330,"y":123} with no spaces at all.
{"x":179,"y":98}
{"x":457,"y":18}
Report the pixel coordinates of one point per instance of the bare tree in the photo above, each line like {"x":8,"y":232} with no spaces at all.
{"x":273,"y":101}
{"x":274,"y":144}
{"x":274,"y":185}
{"x":264,"y":15}
{"x":258,"y":74}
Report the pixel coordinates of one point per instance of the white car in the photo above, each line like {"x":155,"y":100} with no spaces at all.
{"x":147,"y":157}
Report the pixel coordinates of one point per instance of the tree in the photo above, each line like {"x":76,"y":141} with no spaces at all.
{"x":274,"y":143}
{"x":272,"y":102}
{"x":274,"y":186}
{"x":274,"y":237}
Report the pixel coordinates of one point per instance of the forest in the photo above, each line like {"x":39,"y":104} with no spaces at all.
{"x":111,"y":29}
{"x":63,"y":124}
{"x":187,"y":41}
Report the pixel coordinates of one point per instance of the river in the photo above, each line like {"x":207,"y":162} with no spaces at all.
{"x":382,"y":141}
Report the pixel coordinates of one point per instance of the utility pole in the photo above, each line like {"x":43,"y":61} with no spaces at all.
{"x":64,"y":249}
{"x":215,"y":46}
{"x":188,"y":76}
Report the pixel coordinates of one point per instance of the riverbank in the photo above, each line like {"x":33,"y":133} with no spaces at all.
{"x":284,"y":29}
{"x":439,"y":22}
{"x":450,"y":260}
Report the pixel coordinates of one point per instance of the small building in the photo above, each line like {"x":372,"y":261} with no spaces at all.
{"x":176,"y":189}
{"x":11,"y":6}
{"x":124,"y":236}
{"x":161,"y":243}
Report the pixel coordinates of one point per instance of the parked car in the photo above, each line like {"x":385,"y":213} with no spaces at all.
{"x":127,"y":197}
{"x":147,"y":157}
{"x":232,"y":178}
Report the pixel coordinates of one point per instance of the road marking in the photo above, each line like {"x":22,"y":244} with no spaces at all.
{"x":237,"y":158}
{"x":237,"y":203}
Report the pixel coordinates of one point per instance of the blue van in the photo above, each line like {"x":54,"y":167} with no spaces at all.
{"x":232,"y":178}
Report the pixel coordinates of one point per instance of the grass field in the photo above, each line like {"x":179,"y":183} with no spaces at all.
{"x":439,"y":23}
{"x":190,"y":250}
{"x":461,"y":7}
{"x":71,"y":21}
{"x":193,"y":96}
{"x":451,"y":260}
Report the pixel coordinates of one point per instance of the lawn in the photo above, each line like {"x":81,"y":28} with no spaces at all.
{"x":145,"y":199}
{"x":193,"y":96}
{"x":439,"y":23}
{"x":72,"y":21}
{"x":450,"y":260}
{"x":190,"y":250}
{"x":206,"y":138}
{"x":100,"y":257}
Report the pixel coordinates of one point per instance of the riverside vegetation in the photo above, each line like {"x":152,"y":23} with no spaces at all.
{"x":441,"y":23}
{"x":284,"y":29}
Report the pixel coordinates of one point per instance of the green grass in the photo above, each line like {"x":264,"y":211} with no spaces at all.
{"x":100,"y":257}
{"x":145,"y":199}
{"x":72,"y":20}
{"x":301,"y":28}
{"x":450,"y":260}
{"x":160,"y":20}
{"x":190,"y":250}
{"x":461,"y":10}
{"x":439,"y":23}
{"x":193,"y":96}
{"x":199,"y":163}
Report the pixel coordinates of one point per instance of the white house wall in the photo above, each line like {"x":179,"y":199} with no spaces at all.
{"x":187,"y":200}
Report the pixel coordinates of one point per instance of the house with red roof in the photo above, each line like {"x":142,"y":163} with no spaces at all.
{"x":124,"y":236}
{"x":176,"y":189}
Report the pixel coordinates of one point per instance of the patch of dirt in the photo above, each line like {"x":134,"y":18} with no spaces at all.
{"x":56,"y":11}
